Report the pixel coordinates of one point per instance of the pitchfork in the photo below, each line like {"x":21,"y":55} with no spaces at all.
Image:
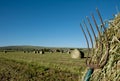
{"x":101,"y":47}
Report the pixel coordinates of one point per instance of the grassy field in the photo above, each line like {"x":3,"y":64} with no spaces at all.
{"x":40,"y":67}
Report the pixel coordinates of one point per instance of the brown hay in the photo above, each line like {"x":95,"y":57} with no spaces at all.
{"x":111,"y":71}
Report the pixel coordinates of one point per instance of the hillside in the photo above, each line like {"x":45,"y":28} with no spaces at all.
{"x":21,"y":47}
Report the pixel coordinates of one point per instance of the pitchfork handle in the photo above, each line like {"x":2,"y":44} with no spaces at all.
{"x":88,"y":74}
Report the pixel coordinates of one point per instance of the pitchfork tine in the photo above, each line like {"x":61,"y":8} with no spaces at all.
{"x":100,"y":18}
{"x":91,"y":28}
{"x":96,"y":25}
{"x":88,"y":33}
{"x":102,"y":24}
{"x":91,"y":40}
{"x":86,"y":41}
{"x":107,"y":45}
{"x":100,"y":42}
{"x":92,"y":32}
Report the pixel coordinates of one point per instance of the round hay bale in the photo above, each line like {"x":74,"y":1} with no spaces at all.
{"x":68,"y":52}
{"x":5,"y":51}
{"x":35,"y":51}
{"x":24,"y":51}
{"x":82,"y":54}
{"x":41,"y":52}
{"x":75,"y":54}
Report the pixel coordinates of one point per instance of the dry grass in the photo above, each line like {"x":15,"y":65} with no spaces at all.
{"x":60,"y":66}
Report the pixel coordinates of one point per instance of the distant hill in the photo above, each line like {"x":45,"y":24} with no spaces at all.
{"x":28,"y":47}
{"x":21,"y":47}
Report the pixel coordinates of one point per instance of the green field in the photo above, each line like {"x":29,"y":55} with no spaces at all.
{"x":19,"y":66}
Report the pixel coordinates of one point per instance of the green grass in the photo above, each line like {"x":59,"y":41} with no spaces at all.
{"x":51,"y":67}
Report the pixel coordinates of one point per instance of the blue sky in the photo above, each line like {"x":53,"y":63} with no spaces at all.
{"x":52,"y":23}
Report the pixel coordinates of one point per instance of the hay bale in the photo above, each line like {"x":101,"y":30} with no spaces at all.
{"x":68,"y":52}
{"x":82,"y":54}
{"x":77,"y":54}
{"x":35,"y":52}
{"x":24,"y":51}
{"x":41,"y":52}
{"x":5,"y":51}
{"x":111,"y":71}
